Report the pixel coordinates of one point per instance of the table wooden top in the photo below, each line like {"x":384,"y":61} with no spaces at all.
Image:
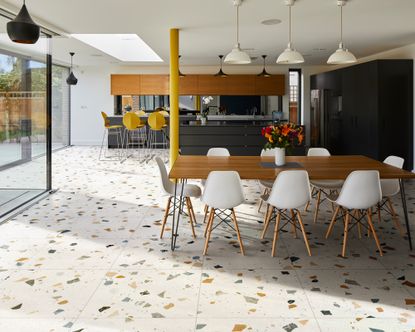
{"x":249,"y":167}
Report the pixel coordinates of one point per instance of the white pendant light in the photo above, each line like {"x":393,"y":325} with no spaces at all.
{"x":237,"y":56}
{"x":342,"y":54}
{"x":290,"y":55}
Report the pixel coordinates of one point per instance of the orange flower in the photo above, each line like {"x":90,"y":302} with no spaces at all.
{"x":300,"y":138}
{"x":285,"y":131}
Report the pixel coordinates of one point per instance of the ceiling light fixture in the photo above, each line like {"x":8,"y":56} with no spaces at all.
{"x":71,"y":80}
{"x":290,"y":55}
{"x":264,"y":72}
{"x":180,"y":73}
{"x":342,"y":54}
{"x":220,"y":72}
{"x":237,"y":56}
{"x":22,"y":29}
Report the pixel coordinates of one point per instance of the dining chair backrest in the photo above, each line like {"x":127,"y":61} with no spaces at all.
{"x":106,"y":120}
{"x":218,"y":152}
{"x":318,"y":152}
{"x":291,"y":190}
{"x":167,"y":185}
{"x":361,"y":190}
{"x":131,"y":121}
{"x":156,"y":121}
{"x":223,"y":190}
{"x":390,"y":187}
{"x":267,"y":152}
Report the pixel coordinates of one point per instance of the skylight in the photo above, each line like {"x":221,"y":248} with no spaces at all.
{"x":124,"y":47}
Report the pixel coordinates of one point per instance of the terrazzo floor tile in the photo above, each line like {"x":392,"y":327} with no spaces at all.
{"x":153,"y":253}
{"x":256,"y":325}
{"x":95,"y":243}
{"x":401,"y":324}
{"x":35,"y":325}
{"x":252,"y":293}
{"x":355,"y":294}
{"x":134,"y":325}
{"x":145,"y":294}
{"x":57,"y":294}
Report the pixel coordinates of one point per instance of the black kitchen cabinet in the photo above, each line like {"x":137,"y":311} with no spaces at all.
{"x":365,"y":109}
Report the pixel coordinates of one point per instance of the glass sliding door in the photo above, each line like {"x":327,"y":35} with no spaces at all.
{"x":24,"y":133}
{"x":60,"y":107}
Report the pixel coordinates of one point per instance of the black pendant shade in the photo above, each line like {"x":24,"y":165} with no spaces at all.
{"x":22,"y":29}
{"x":71,"y":80}
{"x":220,"y":72}
{"x":264,"y":73}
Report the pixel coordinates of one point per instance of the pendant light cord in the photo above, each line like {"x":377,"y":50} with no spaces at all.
{"x":237,"y":25}
{"x":289,"y":28}
{"x":341,"y":26}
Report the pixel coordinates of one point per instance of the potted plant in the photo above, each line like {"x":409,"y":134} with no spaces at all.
{"x":281,"y":137}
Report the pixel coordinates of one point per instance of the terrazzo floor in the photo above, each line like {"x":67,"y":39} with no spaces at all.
{"x":89,"y":258}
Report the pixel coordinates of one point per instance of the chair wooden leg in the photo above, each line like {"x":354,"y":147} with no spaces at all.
{"x":237,"y":232}
{"x":293,"y":224}
{"x":166,"y":214}
{"x":209,"y":228}
{"x":274,"y":241}
{"x":346,"y":231}
{"x":308,"y":203}
{"x":333,"y":220}
{"x":188,"y":205}
{"x":300,"y":220}
{"x":317,"y":205}
{"x":207,"y":225}
{"x":261,"y":201}
{"x":206,"y":213}
{"x":395,"y":217}
{"x":369,"y":221}
{"x":267,"y":220}
{"x":192,"y":211}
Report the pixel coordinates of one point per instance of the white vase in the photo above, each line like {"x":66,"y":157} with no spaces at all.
{"x":203,"y":121}
{"x":279,"y":156}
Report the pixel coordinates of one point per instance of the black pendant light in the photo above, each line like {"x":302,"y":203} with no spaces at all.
{"x":180,"y":73}
{"x":264,"y":72}
{"x":220,"y":72}
{"x":71,"y":80}
{"x":22,"y":29}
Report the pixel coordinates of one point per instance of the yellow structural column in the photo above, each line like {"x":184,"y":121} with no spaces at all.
{"x":174,"y":95}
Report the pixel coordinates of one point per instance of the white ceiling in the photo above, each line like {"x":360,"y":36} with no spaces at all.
{"x":207,"y":28}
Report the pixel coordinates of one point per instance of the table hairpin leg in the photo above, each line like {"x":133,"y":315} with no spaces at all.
{"x":405,"y":212}
{"x":177,"y":207}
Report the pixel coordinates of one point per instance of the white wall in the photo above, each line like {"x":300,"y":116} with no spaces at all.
{"x":92,"y":93}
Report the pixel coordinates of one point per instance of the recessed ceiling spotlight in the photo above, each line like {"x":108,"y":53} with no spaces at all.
{"x":272,"y":21}
{"x":317,"y":49}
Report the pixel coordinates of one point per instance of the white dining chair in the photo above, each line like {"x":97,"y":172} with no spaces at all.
{"x":266,"y":185}
{"x":223,"y":192}
{"x":214,"y":152}
{"x":321,"y":187}
{"x":390,"y":188}
{"x":361,"y":192}
{"x":290,"y":191}
{"x":189,"y":191}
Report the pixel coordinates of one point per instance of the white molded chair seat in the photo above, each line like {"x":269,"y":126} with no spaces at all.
{"x":218,"y":152}
{"x":325,"y":187}
{"x":189,"y":190}
{"x":360,"y":192}
{"x":223,"y":191}
{"x":390,"y":188}
{"x":291,"y":190}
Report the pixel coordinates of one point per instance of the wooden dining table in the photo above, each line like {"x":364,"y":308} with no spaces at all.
{"x":262,"y":168}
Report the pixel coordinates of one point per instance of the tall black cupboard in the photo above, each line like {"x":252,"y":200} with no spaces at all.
{"x":365,"y":109}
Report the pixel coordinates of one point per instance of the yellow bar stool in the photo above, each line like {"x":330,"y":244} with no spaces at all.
{"x":157,"y":123}
{"x":115,"y":130}
{"x":135,"y":132}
